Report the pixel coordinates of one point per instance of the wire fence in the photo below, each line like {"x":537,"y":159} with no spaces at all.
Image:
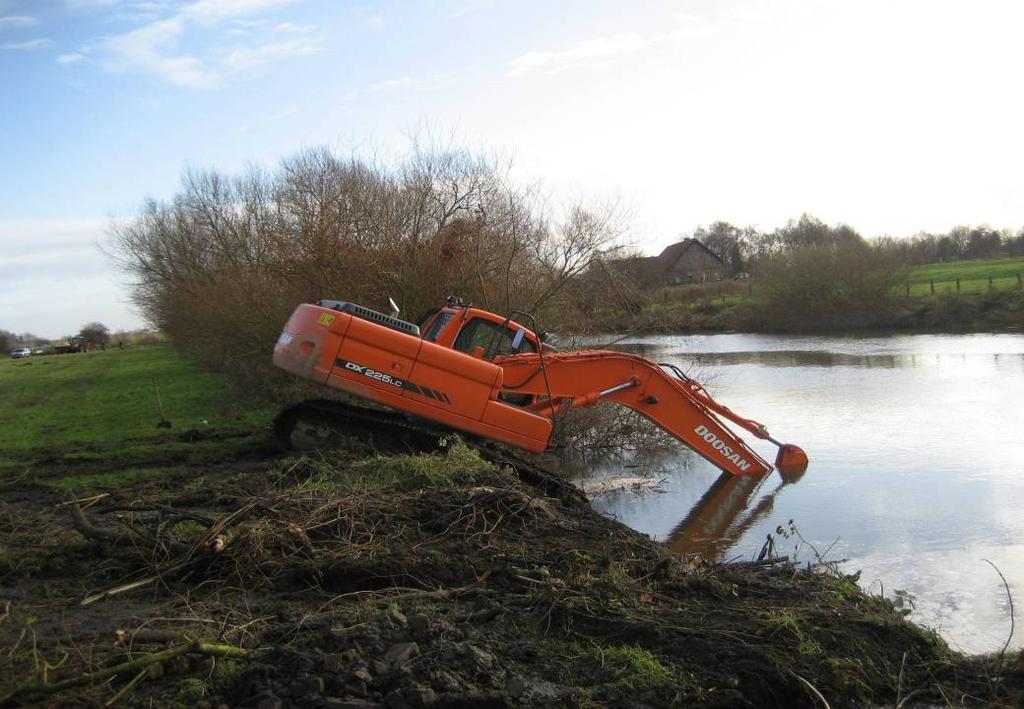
{"x":745,"y":291}
{"x":964,"y":285}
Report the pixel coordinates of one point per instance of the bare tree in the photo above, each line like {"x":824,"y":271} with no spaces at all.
{"x":221,"y":265}
{"x":95,"y":333}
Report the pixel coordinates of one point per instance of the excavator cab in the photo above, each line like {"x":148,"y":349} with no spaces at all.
{"x":478,"y":333}
{"x":492,"y":338}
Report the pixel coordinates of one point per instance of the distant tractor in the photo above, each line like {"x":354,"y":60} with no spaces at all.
{"x":68,"y":346}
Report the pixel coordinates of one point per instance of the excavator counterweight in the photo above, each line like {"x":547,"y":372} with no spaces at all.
{"x":485,"y":374}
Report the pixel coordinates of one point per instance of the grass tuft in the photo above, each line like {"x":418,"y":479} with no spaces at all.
{"x":455,"y":465}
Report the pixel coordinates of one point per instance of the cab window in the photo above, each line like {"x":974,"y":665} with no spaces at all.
{"x":438,"y":325}
{"x":492,"y":337}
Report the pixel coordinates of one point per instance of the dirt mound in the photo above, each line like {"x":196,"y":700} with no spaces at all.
{"x":341,"y":580}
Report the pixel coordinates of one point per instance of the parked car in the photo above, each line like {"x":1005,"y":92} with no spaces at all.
{"x":21,"y":352}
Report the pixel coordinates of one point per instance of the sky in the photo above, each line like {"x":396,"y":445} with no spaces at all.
{"x":893,"y":116}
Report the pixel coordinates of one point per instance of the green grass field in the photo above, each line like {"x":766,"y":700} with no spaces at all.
{"x":102,"y":399}
{"x":974,"y":276}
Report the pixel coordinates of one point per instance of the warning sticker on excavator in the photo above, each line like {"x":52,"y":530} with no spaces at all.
{"x":325,"y":319}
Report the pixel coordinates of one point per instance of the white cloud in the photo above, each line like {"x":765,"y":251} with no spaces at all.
{"x":246,"y":58}
{"x":29,"y":45}
{"x":123,"y":10}
{"x":587,"y":53}
{"x":150,"y":48}
{"x":469,"y":7}
{"x":421,"y":84}
{"x":15,"y":21}
{"x":374,"y":21}
{"x":91,"y":4}
{"x":600,"y":51}
{"x":156,"y":48}
{"x":287,"y":112}
{"x":687,"y":18}
{"x":214,"y":10}
{"x":292,"y":28}
{"x":141,"y":44}
{"x":251,"y":24}
{"x":749,"y":12}
{"x":70,"y":58}
{"x":400,"y":82}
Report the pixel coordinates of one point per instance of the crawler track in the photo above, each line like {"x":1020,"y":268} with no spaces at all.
{"x":318,"y":424}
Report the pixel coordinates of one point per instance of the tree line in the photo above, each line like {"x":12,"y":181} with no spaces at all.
{"x":92,"y":334}
{"x":747,"y":248}
{"x":809,"y":276}
{"x":221,"y":264}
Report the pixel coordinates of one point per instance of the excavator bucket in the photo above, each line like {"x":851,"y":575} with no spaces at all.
{"x":791,"y":462}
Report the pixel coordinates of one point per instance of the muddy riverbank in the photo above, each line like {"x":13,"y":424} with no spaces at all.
{"x":238,"y":575}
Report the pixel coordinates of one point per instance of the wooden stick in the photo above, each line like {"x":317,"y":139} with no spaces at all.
{"x":195,"y":647}
{"x":814,"y":690}
{"x":127,"y":688}
{"x":123,"y":588}
{"x":1009,"y":597}
{"x":91,"y":500}
{"x":164,"y":423}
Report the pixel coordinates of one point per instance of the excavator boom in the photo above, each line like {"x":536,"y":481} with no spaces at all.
{"x":479,"y":372}
{"x":579,"y":379}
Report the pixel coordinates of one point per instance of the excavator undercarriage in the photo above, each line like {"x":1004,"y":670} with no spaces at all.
{"x":319,"y":424}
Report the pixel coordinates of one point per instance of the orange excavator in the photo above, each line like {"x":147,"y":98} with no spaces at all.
{"x":488,"y":375}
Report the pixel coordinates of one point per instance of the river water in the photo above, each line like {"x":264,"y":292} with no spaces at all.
{"x":917,"y":467}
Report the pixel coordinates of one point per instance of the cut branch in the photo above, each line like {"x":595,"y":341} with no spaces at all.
{"x":195,"y":647}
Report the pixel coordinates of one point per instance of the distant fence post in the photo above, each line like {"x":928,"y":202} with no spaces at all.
{"x":958,"y":284}
{"x":908,"y":288}
{"x":1020,"y":282}
{"x":932,"y":284}
{"x":990,"y":282}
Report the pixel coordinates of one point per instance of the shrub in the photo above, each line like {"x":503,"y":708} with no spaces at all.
{"x":839,"y":285}
{"x":221,"y":266}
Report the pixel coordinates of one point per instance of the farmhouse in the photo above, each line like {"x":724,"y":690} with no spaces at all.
{"x":686,"y":261}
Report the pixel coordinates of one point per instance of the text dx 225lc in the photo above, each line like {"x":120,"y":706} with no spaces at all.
{"x":486,"y":374}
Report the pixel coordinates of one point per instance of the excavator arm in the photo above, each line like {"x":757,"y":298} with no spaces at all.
{"x":662,"y":393}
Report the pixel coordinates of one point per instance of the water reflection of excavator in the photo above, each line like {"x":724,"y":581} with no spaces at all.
{"x":478,"y":372}
{"x":717,"y":522}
